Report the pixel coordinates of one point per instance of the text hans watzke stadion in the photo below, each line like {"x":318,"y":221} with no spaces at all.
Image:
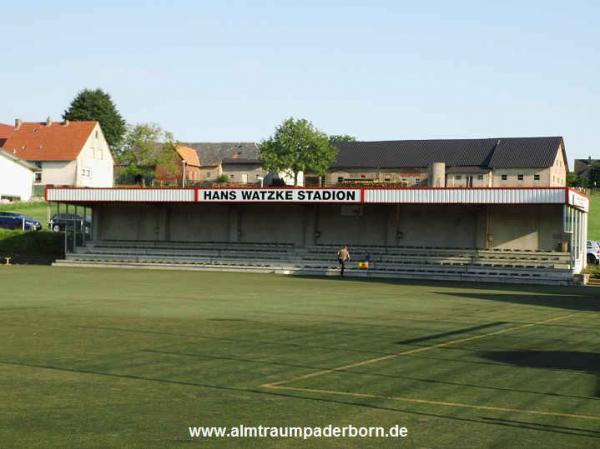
{"x":281,"y":195}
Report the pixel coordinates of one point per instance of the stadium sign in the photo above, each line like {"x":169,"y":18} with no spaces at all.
{"x":280,"y":195}
{"x":578,"y":200}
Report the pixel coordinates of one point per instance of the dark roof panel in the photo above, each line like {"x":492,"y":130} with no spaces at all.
{"x":534,"y":152}
{"x":496,"y":153}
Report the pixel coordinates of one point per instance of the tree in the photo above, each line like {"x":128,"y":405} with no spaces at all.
{"x":297,"y":146}
{"x":145,"y":146}
{"x":341,"y":138}
{"x":168,"y":160}
{"x":97,"y":105}
{"x":573,"y":180}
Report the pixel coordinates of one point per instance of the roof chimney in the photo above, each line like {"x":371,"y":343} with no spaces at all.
{"x":48,"y":121}
{"x":18,"y":123}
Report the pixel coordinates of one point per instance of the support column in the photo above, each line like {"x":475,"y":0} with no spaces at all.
{"x":163,"y":223}
{"x":309,"y":226}
{"x":235,"y":224}
{"x":95,"y":219}
{"x":391,"y":226}
{"x":480,"y":237}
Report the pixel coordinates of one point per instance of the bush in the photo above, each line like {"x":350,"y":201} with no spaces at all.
{"x":593,"y":270}
{"x":30,"y":243}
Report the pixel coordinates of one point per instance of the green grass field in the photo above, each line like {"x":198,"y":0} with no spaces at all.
{"x":594,"y":217}
{"x":93,"y":358}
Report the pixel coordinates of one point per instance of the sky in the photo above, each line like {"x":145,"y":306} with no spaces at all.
{"x":231,"y":70}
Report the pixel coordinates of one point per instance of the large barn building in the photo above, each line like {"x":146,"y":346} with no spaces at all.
{"x":511,"y":234}
{"x":497,"y":162}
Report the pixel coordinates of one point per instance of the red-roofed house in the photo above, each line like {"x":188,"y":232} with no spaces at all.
{"x":65,"y":153}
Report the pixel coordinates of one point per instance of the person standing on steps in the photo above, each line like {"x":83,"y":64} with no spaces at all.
{"x":343,"y":256}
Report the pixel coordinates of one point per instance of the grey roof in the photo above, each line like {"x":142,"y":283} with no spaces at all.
{"x":215,"y":153}
{"x":583,"y":166}
{"x":522,"y":152}
{"x":241,"y":161}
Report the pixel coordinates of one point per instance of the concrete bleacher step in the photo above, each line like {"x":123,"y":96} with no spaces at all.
{"x":400,"y":262}
{"x":489,"y":276}
{"x":273,"y":259}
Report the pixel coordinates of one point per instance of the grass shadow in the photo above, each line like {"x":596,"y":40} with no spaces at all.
{"x":560,"y":301}
{"x":588,"y":362}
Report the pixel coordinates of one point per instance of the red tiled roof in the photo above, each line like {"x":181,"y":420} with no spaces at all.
{"x":5,"y":130}
{"x":189,"y":155}
{"x":35,"y":141}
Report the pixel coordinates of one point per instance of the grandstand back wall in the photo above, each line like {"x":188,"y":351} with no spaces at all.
{"x":531,"y":227}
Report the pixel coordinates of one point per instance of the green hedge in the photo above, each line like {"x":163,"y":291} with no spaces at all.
{"x":30,"y":243}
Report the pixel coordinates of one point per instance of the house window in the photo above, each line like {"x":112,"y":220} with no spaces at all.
{"x":458,"y":177}
{"x":363,"y":176}
{"x":208,"y":174}
{"x":387,"y":179}
{"x":504,"y":177}
{"x":340,"y":179}
{"x":417,"y":181}
{"x":38,"y":176}
{"x":480,"y":177}
{"x":536,"y":177}
{"x":520,"y":177}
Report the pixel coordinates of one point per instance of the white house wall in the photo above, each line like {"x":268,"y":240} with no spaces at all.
{"x":59,"y":173}
{"x":16,"y":181}
{"x":95,"y":162}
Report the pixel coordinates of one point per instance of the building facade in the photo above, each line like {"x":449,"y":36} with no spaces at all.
{"x":16,"y":177}
{"x":237,"y":160}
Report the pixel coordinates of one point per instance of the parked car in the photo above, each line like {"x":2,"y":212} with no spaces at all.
{"x":59,"y":222}
{"x":593,"y":251}
{"x":15,"y":220}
